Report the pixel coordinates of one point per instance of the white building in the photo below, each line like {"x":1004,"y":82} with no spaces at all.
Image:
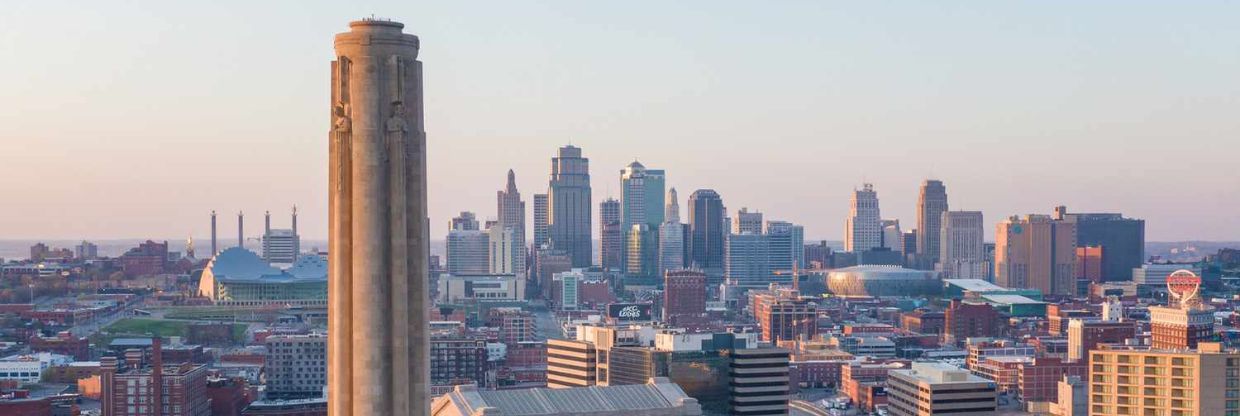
{"x":1156,"y":273}
{"x":863,"y":229}
{"x":893,"y":237}
{"x":961,"y":245}
{"x":468,"y":252}
{"x":505,"y":253}
{"x":29,"y":368}
{"x":457,"y":288}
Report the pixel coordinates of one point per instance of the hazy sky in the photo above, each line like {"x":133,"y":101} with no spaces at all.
{"x":135,"y":119}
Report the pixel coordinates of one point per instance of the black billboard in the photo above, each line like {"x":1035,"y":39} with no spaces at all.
{"x":629,"y":311}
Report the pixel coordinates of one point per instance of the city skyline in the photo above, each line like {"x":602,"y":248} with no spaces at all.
{"x":1103,"y":92}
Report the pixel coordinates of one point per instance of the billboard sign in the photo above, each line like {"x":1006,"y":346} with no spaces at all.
{"x":629,"y":311}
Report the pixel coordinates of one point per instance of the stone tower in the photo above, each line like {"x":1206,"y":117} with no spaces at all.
{"x":378,"y":351}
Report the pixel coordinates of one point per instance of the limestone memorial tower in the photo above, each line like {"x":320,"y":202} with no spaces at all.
{"x":378,"y":350}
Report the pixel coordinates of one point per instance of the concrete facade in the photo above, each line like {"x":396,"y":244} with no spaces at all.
{"x":378,"y":346}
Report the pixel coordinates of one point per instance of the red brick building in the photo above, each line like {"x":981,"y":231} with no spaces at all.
{"x":785,"y":318}
{"x":684,"y":294}
{"x":923,"y":322}
{"x":966,"y":320}
{"x":141,"y":386}
{"x":1038,"y":380}
{"x":228,"y":396}
{"x":147,"y":259}
{"x":64,"y":343}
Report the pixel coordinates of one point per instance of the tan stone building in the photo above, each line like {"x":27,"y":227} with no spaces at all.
{"x":938,"y":388}
{"x":1127,"y":380}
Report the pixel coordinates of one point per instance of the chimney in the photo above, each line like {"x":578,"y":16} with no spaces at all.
{"x":157,"y":375}
{"x":214,"y":248}
{"x":241,"y":229}
{"x":294,"y":220}
{"x":267,"y":223}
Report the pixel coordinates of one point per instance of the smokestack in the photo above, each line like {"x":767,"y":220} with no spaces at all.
{"x":294,"y":220}
{"x":157,"y":374}
{"x":241,"y":229}
{"x":214,"y":248}
{"x":267,"y":223}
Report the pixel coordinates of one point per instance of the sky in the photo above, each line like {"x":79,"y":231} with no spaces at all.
{"x":135,"y":119}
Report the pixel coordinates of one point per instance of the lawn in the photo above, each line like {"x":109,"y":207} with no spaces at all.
{"x":141,"y":328}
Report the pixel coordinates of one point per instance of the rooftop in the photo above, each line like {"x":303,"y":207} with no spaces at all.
{"x":660,"y":395}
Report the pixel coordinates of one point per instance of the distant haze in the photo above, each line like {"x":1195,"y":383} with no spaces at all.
{"x":136,"y":119}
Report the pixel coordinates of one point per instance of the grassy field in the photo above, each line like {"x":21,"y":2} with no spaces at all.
{"x":140,"y":328}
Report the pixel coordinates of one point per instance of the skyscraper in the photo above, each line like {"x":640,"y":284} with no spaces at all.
{"x":642,"y":204}
{"x":378,"y":343}
{"x":863,"y":230}
{"x":671,"y":237}
{"x":930,"y":208}
{"x":642,"y":260}
{"x":1122,"y":241}
{"x":1036,"y":252}
{"x":961,"y":243}
{"x":281,"y":245}
{"x":511,"y":210}
{"x":503,"y":254}
{"x":569,"y":205}
{"x":611,"y":235}
{"x":747,"y":222}
{"x":893,"y":238}
{"x":468,"y":247}
{"x":785,"y":246}
{"x":541,"y":221}
{"x":707,"y":231}
{"x":684,"y":294}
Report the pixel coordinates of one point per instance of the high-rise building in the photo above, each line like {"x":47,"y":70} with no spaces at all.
{"x":611,"y":235}
{"x":785,"y":246}
{"x":642,"y":252}
{"x":1129,"y":380}
{"x":468,"y":247}
{"x":643,"y":201}
{"x":893,"y":238}
{"x":760,"y":383}
{"x":511,"y":210}
{"x":1089,"y":263}
{"x":541,"y":221}
{"x":671,"y":246}
{"x":1036,"y":252}
{"x":931,"y":205}
{"x":457,"y":360}
{"x":939,"y":388}
{"x":378,"y":334}
{"x":1180,"y":327}
{"x":296,"y":366}
{"x":1084,"y":335}
{"x":1122,"y":241}
{"x":863,"y":229}
{"x":143,"y":386}
{"x":86,"y":251}
{"x":281,"y":245}
{"x":569,"y":210}
{"x":504,"y":253}
{"x":782,"y":316}
{"x":961,"y":241}
{"x":466,"y":221}
{"x":747,"y":259}
{"x":747,"y":222}
{"x":642,"y":205}
{"x":671,"y":209}
{"x":707,"y":231}
{"x":571,"y":363}
{"x":684,"y":294}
